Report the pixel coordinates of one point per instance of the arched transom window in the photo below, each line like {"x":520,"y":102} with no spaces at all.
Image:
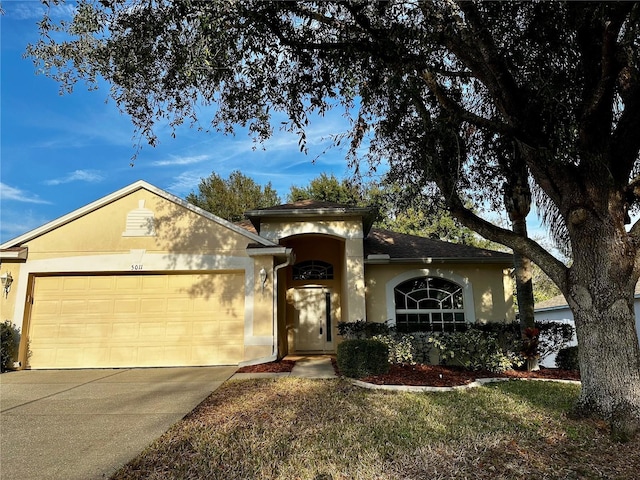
{"x":429,"y":304}
{"x":313,"y":270}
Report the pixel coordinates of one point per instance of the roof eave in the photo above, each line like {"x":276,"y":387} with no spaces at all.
{"x":15,"y":254}
{"x":430,"y":260}
{"x":367,"y":215}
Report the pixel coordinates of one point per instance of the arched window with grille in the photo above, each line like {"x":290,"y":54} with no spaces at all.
{"x":429,"y":304}
{"x":313,"y":270}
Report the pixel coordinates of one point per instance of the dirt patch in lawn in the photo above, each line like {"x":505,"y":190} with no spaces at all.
{"x":441,"y":376}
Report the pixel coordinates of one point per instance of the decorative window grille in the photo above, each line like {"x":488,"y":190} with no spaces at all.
{"x":429,"y":304}
{"x":313,"y":270}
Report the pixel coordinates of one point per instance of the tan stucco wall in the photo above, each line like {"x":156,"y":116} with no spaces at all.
{"x":315,"y":247}
{"x":275,"y":229}
{"x":492,"y":301}
{"x":177,"y":230}
{"x":182,"y":241}
{"x":351,"y":267}
{"x":8,"y":301}
{"x":263,"y":298}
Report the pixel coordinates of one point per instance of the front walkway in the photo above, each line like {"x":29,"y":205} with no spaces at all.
{"x":307,"y":366}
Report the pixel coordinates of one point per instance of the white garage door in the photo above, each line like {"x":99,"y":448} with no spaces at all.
{"x":101,"y":321}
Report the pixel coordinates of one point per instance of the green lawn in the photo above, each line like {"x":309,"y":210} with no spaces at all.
{"x":292,"y":428}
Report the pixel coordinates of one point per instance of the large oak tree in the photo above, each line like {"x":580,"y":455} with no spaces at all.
{"x":452,"y":94}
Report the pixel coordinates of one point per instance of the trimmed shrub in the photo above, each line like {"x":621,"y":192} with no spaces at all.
{"x":9,"y":344}
{"x":567,"y":358}
{"x":361,"y":329}
{"x":359,"y":358}
{"x":401,"y":348}
{"x":477,"y":350}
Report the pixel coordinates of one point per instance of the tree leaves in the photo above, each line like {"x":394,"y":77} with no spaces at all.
{"x":230,"y":198}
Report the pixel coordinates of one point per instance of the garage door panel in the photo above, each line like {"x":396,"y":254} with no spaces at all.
{"x":75,"y":284}
{"x":154,"y":283}
{"x":70,"y":307}
{"x":153,"y":305}
{"x":123,"y":330}
{"x":71,"y":331}
{"x":98,"y":330}
{"x":100,"y":306}
{"x":102,"y":321}
{"x":127,"y":284}
{"x":126,"y":305}
{"x":103,"y":283}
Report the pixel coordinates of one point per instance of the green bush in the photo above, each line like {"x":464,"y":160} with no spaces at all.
{"x":567,"y":358}
{"x":553,"y":336}
{"x":478,"y":350}
{"x":360,"y":358}
{"x":361,"y":329}
{"x":401,"y":348}
{"x":9,"y":344}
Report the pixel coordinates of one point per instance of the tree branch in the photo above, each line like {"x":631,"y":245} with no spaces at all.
{"x":553,"y":267}
{"x":491,"y":68}
{"x":625,"y":140}
{"x":463,"y":114}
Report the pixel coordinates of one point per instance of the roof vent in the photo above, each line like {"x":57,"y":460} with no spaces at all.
{"x":140,"y":222}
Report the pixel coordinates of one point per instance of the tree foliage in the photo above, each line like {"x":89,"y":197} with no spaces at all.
{"x":453,"y":95}
{"x":229,"y":198}
{"x":398,"y":209}
{"x":327,"y":188}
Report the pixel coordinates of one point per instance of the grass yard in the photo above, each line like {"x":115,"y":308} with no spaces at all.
{"x":291,"y":428}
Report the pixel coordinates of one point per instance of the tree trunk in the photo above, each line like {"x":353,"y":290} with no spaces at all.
{"x":517,"y":202}
{"x":524,"y":284}
{"x":600,"y":293}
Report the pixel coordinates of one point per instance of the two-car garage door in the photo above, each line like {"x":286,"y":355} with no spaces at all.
{"x":137,"y":320}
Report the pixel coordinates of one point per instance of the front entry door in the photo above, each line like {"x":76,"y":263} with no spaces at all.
{"x":313,"y":325}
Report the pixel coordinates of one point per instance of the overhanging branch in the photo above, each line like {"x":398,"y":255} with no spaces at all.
{"x":553,"y":267}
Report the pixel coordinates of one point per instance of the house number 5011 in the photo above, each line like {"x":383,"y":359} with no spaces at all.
{"x":137,"y":266}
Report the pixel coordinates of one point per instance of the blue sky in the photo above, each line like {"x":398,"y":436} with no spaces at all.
{"x":59,"y":153}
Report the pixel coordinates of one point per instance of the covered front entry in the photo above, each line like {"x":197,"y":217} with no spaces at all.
{"x":313,"y":323}
{"x":137,"y":320}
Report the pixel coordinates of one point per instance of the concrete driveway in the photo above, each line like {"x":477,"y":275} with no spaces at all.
{"x":84,"y":424}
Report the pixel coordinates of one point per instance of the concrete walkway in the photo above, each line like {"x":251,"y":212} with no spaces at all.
{"x":307,"y":366}
{"x":85,"y":424}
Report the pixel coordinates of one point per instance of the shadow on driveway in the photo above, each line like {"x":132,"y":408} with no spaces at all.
{"x":85,"y":424}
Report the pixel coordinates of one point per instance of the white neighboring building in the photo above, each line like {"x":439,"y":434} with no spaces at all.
{"x":556,"y":309}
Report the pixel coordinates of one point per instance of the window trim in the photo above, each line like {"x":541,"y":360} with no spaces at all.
{"x":467,"y":291}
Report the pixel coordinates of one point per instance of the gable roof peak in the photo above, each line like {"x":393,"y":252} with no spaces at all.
{"x":112,"y":197}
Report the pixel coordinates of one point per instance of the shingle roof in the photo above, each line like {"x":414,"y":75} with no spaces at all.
{"x":399,"y":246}
{"x":553,"y":302}
{"x":308,"y":205}
{"x":559,"y":301}
{"x":402,"y":246}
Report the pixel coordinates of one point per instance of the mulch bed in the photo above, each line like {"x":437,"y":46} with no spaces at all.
{"x":426,"y":375}
{"x":441,"y":376}
{"x":280,"y":366}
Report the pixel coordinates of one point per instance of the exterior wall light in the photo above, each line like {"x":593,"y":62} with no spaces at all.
{"x":6,"y":280}
{"x":263,"y":278}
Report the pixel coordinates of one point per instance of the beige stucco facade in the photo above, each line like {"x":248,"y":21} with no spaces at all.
{"x":187,"y":273}
{"x":488,"y":289}
{"x":141,"y":278}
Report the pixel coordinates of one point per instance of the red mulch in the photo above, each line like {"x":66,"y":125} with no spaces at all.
{"x":429,"y":375}
{"x":441,"y":376}
{"x":280,"y":366}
